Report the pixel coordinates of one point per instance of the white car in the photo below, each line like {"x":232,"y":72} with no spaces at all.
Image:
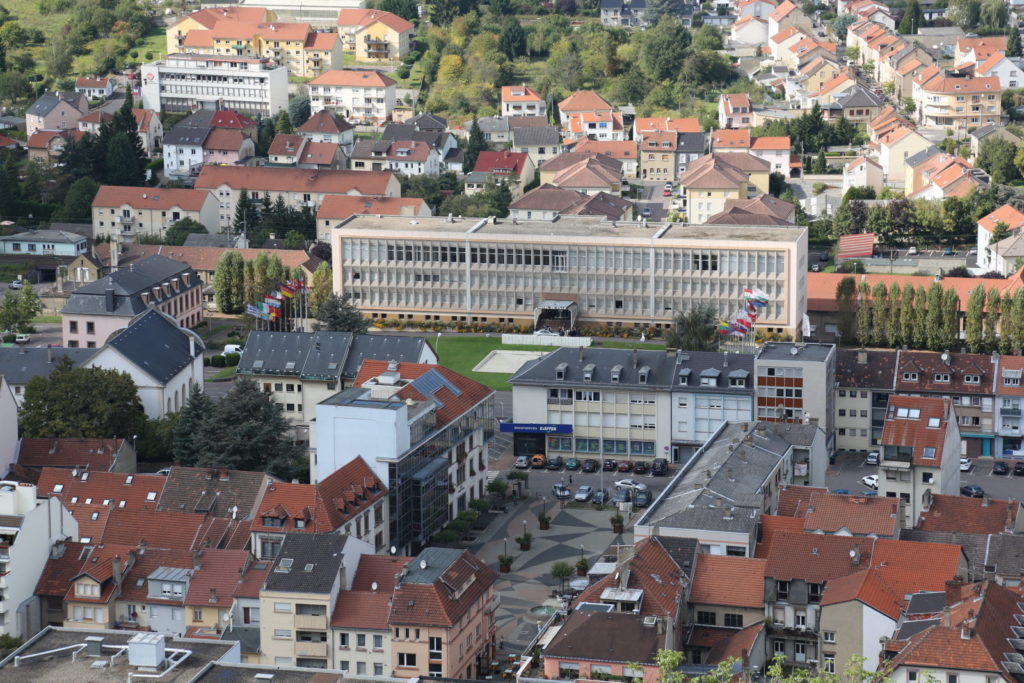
{"x":871,"y":481}
{"x":22,"y":338}
{"x":545,"y":333}
{"x":630,"y":484}
{"x":966,"y":465}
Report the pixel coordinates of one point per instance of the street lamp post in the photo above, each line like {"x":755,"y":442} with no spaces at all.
{"x":506,"y":547}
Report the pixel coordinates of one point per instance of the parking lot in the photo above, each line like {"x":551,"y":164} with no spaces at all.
{"x":541,"y":481}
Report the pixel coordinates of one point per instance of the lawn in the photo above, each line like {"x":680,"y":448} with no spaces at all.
{"x":27,"y":14}
{"x":49,"y":319}
{"x":226,"y":373}
{"x":462,"y":354}
{"x":10,"y":271}
{"x":156,"y":43}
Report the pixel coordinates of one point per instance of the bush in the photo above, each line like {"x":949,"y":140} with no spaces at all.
{"x":480,"y":505}
{"x":217,"y":361}
{"x":231,"y":360}
{"x":206,"y":361}
{"x":403,"y":71}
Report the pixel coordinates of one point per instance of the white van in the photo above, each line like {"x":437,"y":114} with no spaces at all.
{"x":231,"y":348}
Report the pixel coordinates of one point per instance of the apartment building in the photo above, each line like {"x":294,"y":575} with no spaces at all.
{"x":727,"y":595}
{"x":210,"y":17}
{"x":582,"y":102}
{"x":303,"y":51}
{"x":55,"y":111}
{"x":664,"y":155}
{"x":920,"y":452}
{"x":1010,"y":217}
{"x":735,"y":111}
{"x":864,"y":382}
{"x":130,"y":212}
{"x":409,"y":157}
{"x":427,"y":429}
{"x":711,"y":180}
{"x":442,"y":616}
{"x":337,"y":208}
{"x":947,"y":98}
{"x":97,"y":310}
{"x":374,"y":35}
{"x":1009,"y":403}
{"x":483,"y":271}
{"x":522,"y":100}
{"x":359,"y":624}
{"x":184,"y":82}
{"x":299,"y":596}
{"x":364,"y":96}
{"x":795,"y":383}
{"x":623,"y":12}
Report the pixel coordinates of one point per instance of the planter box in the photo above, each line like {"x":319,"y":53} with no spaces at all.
{"x":544,"y":526}
{"x":504,"y":568}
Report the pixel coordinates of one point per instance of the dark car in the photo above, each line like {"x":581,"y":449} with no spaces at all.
{"x":641,"y":468}
{"x":600,"y":497}
{"x":972,"y":491}
{"x":622,"y":495}
{"x":561,"y":492}
{"x":1000,"y":467}
{"x":591,"y":465}
{"x":625,"y":466}
{"x":572,"y":464}
{"x":659,"y":467}
{"x":642,"y":498}
{"x":555,"y":462}
{"x":609,"y":465}
{"x":1018,"y":469}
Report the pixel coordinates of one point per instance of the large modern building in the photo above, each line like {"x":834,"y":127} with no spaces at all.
{"x":185,"y":82}
{"x":796,"y":383}
{"x":583,"y":270}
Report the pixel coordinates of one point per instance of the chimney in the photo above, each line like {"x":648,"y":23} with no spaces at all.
{"x":953,"y":587}
{"x":856,"y":554}
{"x":191,"y":346}
{"x":946,"y":617}
{"x":108,"y":294}
{"x":196,"y":561}
{"x":634,"y":358}
{"x":117,"y":570}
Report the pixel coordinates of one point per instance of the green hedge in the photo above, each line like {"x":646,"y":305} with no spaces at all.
{"x":231,"y":359}
{"x":217,"y":361}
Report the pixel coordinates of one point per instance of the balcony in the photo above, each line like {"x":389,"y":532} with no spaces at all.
{"x":310,"y":621}
{"x":493,"y":604}
{"x":1005,"y":412}
{"x":307,"y":649}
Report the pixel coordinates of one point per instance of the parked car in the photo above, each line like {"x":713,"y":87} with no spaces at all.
{"x":871,"y":481}
{"x":572,"y":464}
{"x":642,"y":498}
{"x":561,"y":492}
{"x":972,"y":252}
{"x":1018,"y":469}
{"x":555,"y":463}
{"x":872,"y":458}
{"x":522,"y":463}
{"x":641,"y":468}
{"x":912,"y":251}
{"x":609,"y":465}
{"x":591,"y":465}
{"x":972,"y":491}
{"x":948,"y":251}
{"x":231,"y":348}
{"x":583,"y":493}
{"x":659,"y":467}
{"x":165,"y":472}
{"x":1000,"y":467}
{"x":625,"y":466}
{"x":645,"y":212}
{"x":600,"y":497}
{"x":16,"y":284}
{"x":622,"y":496}
{"x":966,"y":464}
{"x":538,"y":462}
{"x":22,"y":338}
{"x":630,"y":484}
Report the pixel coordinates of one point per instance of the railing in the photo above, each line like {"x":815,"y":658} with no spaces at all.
{"x":545,"y":340}
{"x":1008,"y":412}
{"x":309,"y":649}
{"x":311,"y":621}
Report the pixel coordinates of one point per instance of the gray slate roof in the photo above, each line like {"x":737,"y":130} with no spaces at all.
{"x":691,"y":143}
{"x":55,"y":236}
{"x":247,"y":636}
{"x":492,"y":124}
{"x":428,"y":122}
{"x":45,"y":104}
{"x":859,"y":96}
{"x":399,"y":131}
{"x":536,"y":136}
{"x":204,"y":240}
{"x":308,"y":563}
{"x":323,"y":355}
{"x":664,"y":369}
{"x":128,"y":284}
{"x":437,"y":561}
{"x":186,"y":136}
{"x":20,"y":365}
{"x":922,"y":156}
{"x":157,"y":345}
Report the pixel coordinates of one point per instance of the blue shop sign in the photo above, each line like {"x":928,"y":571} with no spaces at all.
{"x":535,"y":428}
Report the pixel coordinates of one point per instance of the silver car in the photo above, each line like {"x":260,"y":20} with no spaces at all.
{"x":583,"y":493}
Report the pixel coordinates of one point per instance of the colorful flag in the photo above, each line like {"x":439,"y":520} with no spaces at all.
{"x":252,"y":310}
{"x":270,"y":301}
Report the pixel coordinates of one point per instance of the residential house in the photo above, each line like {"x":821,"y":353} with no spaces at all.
{"x":779,"y":42}
{"x":624,"y":151}
{"x":151,"y":130}
{"x":442,"y":616}
{"x":428,"y":426}
{"x":595,"y":125}
{"x":888,"y":120}
{"x":30,"y":527}
{"x":735,"y":110}
{"x":865,"y":380}
{"x":585,"y":172}
{"x":776,"y":151}
{"x":409,"y":157}
{"x":325,"y":126}
{"x":299,"y":151}
{"x":579,"y":650}
{"x":1000,"y":66}
{"x":542,"y":143}
{"x":787,"y":15}
{"x":208,"y":18}
{"x":299,"y":597}
{"x":94,"y":88}
{"x":164,"y":382}
{"x":227,"y":147}
{"x":750,"y":31}
{"x":863,"y":172}
{"x":183,"y":150}
{"x":583,"y":102}
{"x":130,"y":212}
{"x":658,"y":124}
{"x":665,"y":155}
{"x":98,"y":455}
{"x":363,"y":96}
{"x":1011,"y":220}
{"x":548,"y":202}
{"x":937,"y":176}
{"x":755,"y":8}
{"x":350,"y":501}
{"x":55,"y":111}
{"x":216,"y":492}
{"x":857,"y":104}
{"x":949,"y":99}
{"x":982,"y":133}
{"x":711,"y":180}
{"x":297,"y":187}
{"x":760,"y":210}
{"x":727,"y":596}
{"x":521,"y":100}
{"x":93,"y":121}
{"x":153,"y":589}
{"x":514,"y":169}
{"x":731,"y":140}
{"x":46,"y":146}
{"x":970,"y":516}
{"x":18,"y":365}
{"x":95,"y":585}
{"x":496,"y":129}
{"x":244,"y":618}
{"x":895,"y":149}
{"x":97,"y":310}
{"x":43,"y":243}
{"x":337,"y":208}
{"x":1009,"y":404}
{"x":623,"y":12}
{"x":1007,"y":254}
{"x":432,"y":130}
{"x":374,"y":35}
{"x":300,"y":369}
{"x":814,"y":74}
{"x":976,"y":50}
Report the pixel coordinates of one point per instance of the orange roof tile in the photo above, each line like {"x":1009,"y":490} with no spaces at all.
{"x":653,"y":570}
{"x":667,"y":124}
{"x":519,"y":93}
{"x":1013,"y":218}
{"x":772,"y":525}
{"x":731,"y":139}
{"x":1010,"y":363}
{"x":58,"y":571}
{"x":968,"y":515}
{"x":452,"y":406}
{"x":354,"y":78}
{"x":772,"y":143}
{"x":783,"y":10}
{"x":215,"y":582}
{"x":253,"y":579}
{"x":917,"y":433}
{"x":340,"y":207}
{"x":793,"y":500}
{"x":859,"y":515}
{"x":584,"y":100}
{"x":227,"y":139}
{"x":321,"y":40}
{"x":382,"y":570}
{"x":616,"y":149}
{"x":738,"y":645}
{"x":866,"y":586}
{"x":435,"y":604}
{"x":115,"y":196}
{"x":362,"y":610}
{"x":815,"y":558}
{"x":367,"y":17}
{"x":91,"y":454}
{"x":724,"y":580}
{"x":293,"y":180}
{"x":786,"y":33}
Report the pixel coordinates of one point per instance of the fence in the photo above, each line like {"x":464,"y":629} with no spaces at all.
{"x":544,"y":340}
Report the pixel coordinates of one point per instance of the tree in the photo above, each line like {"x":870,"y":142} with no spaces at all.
{"x":975,"y":320}
{"x":407,"y":9}
{"x":77,"y":207}
{"x":283,"y":124}
{"x":950,"y":319}
{"x":246,"y":430}
{"x":81,"y":402}
{"x":18,"y":308}
{"x":656,"y":9}
{"x":197,"y":410}
{"x":895,"y":298}
{"x":321,"y":286}
{"x":1016,"y":322}
{"x":879,"y":315}
{"x":920,"y":339}
{"x":664,"y":48}
{"x":293,"y":239}
{"x":298,"y":110}
{"x":338,"y":314}
{"x":123,"y":165}
{"x":864,"y":313}
{"x":443,"y":12}
{"x":476,"y":144}
{"x":181,"y":229}
{"x":840,"y":25}
{"x":992,"y":319}
{"x":913,"y":18}
{"x":820,"y":163}
{"x":694,"y":330}
{"x":846,"y":294}
{"x":229,"y":283}
{"x":1013,"y":46}
{"x":849,"y":218}
{"x":562,"y":571}
{"x":247,"y":217}
{"x":512,"y":39}
{"x":997,"y":156}
{"x":935,"y":335}
{"x":907,"y":316}
{"x":909,"y":105}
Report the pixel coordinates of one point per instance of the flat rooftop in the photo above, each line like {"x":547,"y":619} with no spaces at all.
{"x":567,"y":226}
{"x":794,"y":351}
{"x":60,"y":667}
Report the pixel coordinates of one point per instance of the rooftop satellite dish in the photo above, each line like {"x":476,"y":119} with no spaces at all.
{"x":853,"y":554}
{"x":423,"y":564}
{"x":394,"y":550}
{"x":373,"y":586}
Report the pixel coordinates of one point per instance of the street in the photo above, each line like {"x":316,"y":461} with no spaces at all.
{"x":652,"y":198}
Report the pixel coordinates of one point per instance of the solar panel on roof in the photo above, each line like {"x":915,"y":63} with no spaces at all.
{"x":432,"y":381}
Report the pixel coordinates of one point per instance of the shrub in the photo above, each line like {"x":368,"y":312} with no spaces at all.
{"x":206,"y":361}
{"x":480,"y":505}
{"x":403,"y":71}
{"x":231,"y":360}
{"x":217,"y":361}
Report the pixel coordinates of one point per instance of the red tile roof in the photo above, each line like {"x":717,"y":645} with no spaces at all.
{"x":58,"y":572}
{"x":1013,"y":218}
{"x":227,"y":139}
{"x":869,"y":588}
{"x":502,"y":163}
{"x":284,"y":144}
{"x":340,"y":207}
{"x":87,"y":82}
{"x":730,"y":139}
{"x":325,"y":121}
{"x":793,"y":500}
{"x":911,"y":566}
{"x":145,"y":564}
{"x":354,"y":78}
{"x":293,"y":180}
{"x":382,"y":570}
{"x":859,"y":515}
{"x":584,"y":100}
{"x":1009,"y":363}
{"x":253,"y":579}
{"x":737,"y":646}
{"x":771,"y":525}
{"x":653,"y":570}
{"x":519,"y":93}
{"x":968,"y":515}
{"x":366,"y":17}
{"x":435,"y":604}
{"x":214,"y":584}
{"x":91,"y":454}
{"x":113,"y":196}
{"x":166,"y":529}
{"x":816,"y":558}
{"x":725,"y":580}
{"x":916,"y":432}
{"x":667,"y":124}
{"x":362,"y":609}
{"x":452,"y":406}
{"x":107,"y":489}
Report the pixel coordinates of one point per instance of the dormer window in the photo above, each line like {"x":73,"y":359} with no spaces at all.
{"x":1011,"y":378}
{"x":644,"y":374}
{"x":738,"y":382}
{"x":588,"y":372}
{"x":972,"y":379}
{"x":616,"y":374}
{"x":300,"y":524}
{"x":684,"y":377}
{"x":942,"y":377}
{"x":909,"y":376}
{"x":273,"y":522}
{"x":560,"y":371}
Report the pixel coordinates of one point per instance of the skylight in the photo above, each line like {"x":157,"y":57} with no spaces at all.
{"x":151,"y":495}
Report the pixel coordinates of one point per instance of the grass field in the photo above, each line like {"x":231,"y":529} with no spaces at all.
{"x":51,"y":319}
{"x":226,"y":373}
{"x":26,"y":12}
{"x":462,"y":354}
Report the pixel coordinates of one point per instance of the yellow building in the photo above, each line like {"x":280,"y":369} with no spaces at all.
{"x":716,"y":178}
{"x":949,"y":98}
{"x":208,"y":18}
{"x":373,"y":35}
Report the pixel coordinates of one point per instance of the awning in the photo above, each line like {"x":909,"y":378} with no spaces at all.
{"x":856,"y":246}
